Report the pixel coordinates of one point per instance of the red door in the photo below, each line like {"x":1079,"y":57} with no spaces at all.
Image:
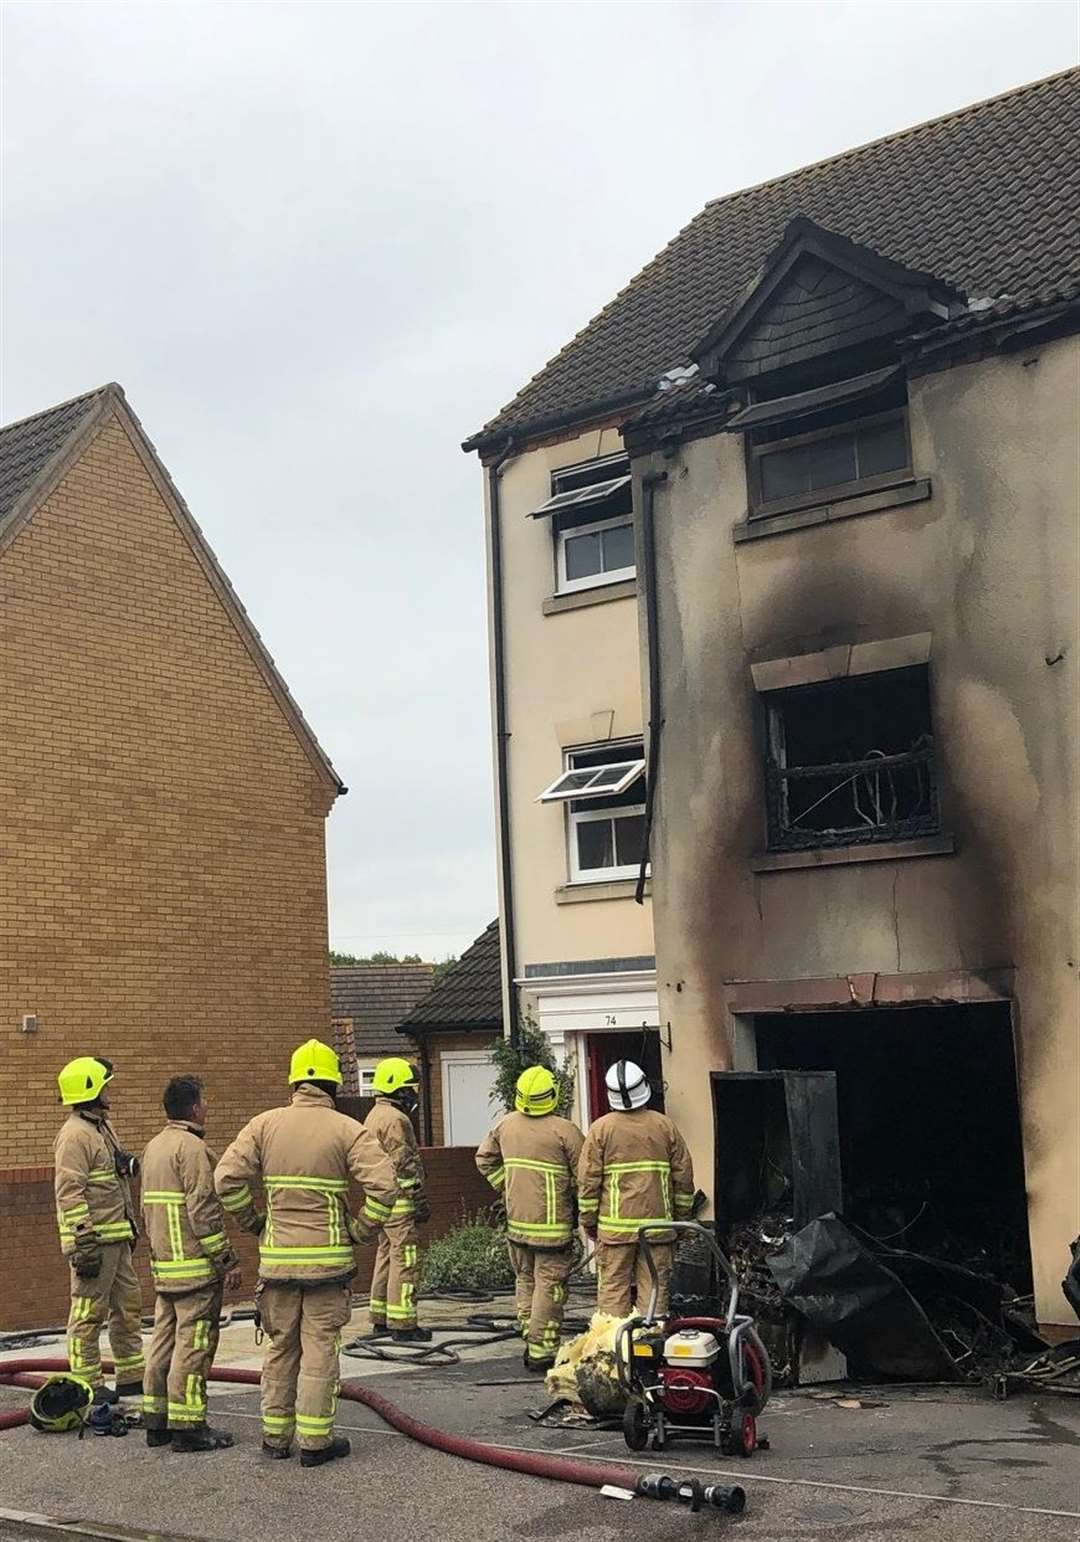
{"x":604,"y":1049}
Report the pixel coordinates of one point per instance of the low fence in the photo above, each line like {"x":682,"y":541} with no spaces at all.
{"x":35,"y":1275}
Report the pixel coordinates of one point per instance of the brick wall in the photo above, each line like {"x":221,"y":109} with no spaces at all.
{"x":162,"y":869}
{"x":437,"y":1044}
{"x":35,"y":1293}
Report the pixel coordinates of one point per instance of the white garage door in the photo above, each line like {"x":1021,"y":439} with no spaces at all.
{"x":468,"y":1112}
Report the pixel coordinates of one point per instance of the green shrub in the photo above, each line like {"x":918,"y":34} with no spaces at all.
{"x":471,"y":1257}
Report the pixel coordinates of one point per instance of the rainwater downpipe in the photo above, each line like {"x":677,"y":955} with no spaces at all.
{"x":502,"y":738}
{"x":649,"y":485}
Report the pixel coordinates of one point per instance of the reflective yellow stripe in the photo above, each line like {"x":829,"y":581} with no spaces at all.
{"x":76,"y":1213}
{"x":374,"y":1209}
{"x":638,"y":1167}
{"x":536,"y":1167}
{"x":129,"y":1363}
{"x":238,"y":1200}
{"x":613,"y":1223}
{"x":162,"y":1196}
{"x":113,"y":1231}
{"x":585,"y":1205}
{"x":176,"y":1238}
{"x":302,"y":1181}
{"x":541,"y":1228}
{"x":310,"y":1424}
{"x":214,"y":1243}
{"x":181,"y":1269}
{"x":408,"y":1183}
{"x":326,"y":1254}
{"x":404,"y":1207}
{"x":497,"y":1177}
{"x":153,"y":1405}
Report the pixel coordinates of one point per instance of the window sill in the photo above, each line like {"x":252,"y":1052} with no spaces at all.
{"x":842,"y":856}
{"x":907,"y":490}
{"x":609,"y":889}
{"x":600,"y":594}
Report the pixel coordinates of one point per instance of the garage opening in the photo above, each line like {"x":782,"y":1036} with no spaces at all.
{"x":929,"y":1126}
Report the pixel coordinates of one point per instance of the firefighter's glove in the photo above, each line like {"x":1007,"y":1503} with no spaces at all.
{"x":86,"y":1260}
{"x":589,"y":1228}
{"x":358,"y":1231}
{"x":422,"y":1211}
{"x":226,"y":1263}
{"x":257,"y":1224}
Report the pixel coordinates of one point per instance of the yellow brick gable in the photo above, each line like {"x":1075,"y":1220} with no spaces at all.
{"x":162,"y":871}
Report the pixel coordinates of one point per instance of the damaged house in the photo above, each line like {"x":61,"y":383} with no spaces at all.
{"x":848,"y":402}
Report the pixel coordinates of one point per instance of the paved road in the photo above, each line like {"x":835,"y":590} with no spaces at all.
{"x":926,"y":1466}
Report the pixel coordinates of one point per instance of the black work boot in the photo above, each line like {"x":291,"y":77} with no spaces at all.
{"x":129,"y":1389}
{"x":107,"y":1395}
{"x":158,"y":1438}
{"x":537,"y":1367}
{"x":279,"y":1453}
{"x":410,"y":1335}
{"x":339,"y":1446}
{"x":378,"y":1325}
{"x":202,"y":1438}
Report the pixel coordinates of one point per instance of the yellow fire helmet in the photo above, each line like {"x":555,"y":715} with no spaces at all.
{"x":537,"y":1091}
{"x":314,"y":1062}
{"x":81,"y":1080}
{"x":392,"y":1074}
{"x":61,"y":1403}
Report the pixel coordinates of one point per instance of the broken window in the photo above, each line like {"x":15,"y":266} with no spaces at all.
{"x":821,"y":446}
{"x":603,"y":787}
{"x":591,"y":509}
{"x":851,"y":760}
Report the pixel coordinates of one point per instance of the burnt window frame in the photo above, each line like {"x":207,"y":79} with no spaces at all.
{"x":756,"y":449}
{"x":781,"y":837}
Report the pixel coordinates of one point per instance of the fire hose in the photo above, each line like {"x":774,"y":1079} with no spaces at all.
{"x":28,"y":1372}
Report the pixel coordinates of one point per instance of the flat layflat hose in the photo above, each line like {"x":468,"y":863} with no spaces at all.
{"x":537,"y":1464}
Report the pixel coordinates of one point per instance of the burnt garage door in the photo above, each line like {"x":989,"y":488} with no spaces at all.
{"x":929,"y":1125}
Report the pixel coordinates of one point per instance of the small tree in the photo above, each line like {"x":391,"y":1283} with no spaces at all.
{"x":532,"y":1048}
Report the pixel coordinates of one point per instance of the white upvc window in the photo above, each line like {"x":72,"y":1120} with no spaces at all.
{"x":603,"y":788}
{"x":601,"y":552}
{"x":365,"y":1075}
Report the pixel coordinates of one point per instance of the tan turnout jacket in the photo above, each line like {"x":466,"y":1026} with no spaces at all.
{"x":304,"y":1156}
{"x":634,"y":1170}
{"x":182,"y":1215}
{"x":393,"y":1129}
{"x":92,"y":1202}
{"x":532,"y":1161}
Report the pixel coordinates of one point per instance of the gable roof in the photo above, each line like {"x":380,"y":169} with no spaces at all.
{"x":376,"y":997}
{"x":469,"y":995}
{"x":36,"y":453}
{"x":984,"y":198}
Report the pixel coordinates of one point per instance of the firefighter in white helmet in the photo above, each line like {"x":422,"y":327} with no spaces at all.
{"x":635,"y":1170}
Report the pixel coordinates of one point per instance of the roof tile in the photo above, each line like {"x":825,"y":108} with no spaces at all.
{"x":469,"y":995}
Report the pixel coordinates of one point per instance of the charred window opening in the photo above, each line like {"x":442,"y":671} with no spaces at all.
{"x":929,"y":1127}
{"x":850,"y":761}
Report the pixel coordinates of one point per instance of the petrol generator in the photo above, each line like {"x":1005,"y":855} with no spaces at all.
{"x":701,"y":1378}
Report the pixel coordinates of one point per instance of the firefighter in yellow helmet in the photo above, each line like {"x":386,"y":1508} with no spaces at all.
{"x":531,"y":1158}
{"x":397,"y":1261}
{"x":634,"y":1170}
{"x":305,"y":1156}
{"x":96,"y":1217}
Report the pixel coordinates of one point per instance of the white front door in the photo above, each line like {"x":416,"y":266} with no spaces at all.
{"x":468,"y":1076}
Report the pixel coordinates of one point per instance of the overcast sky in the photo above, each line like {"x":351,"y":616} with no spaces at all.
{"x":319,"y":244}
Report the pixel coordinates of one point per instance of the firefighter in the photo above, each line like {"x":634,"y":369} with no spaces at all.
{"x":96,"y":1217}
{"x":304,"y":1156}
{"x":397,"y":1271}
{"x":634,"y":1170}
{"x":531,"y":1159}
{"x":192,"y":1264}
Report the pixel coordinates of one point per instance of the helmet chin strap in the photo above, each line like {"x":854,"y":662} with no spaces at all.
{"x":620,"y":1071}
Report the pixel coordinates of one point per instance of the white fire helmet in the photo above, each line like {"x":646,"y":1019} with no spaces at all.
{"x":627,"y":1086}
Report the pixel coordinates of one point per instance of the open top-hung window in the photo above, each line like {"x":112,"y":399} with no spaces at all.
{"x":835,"y":440}
{"x":591,"y":514}
{"x":851,"y":760}
{"x":603,"y":790}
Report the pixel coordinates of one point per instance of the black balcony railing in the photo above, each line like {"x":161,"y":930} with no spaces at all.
{"x":878,"y":798}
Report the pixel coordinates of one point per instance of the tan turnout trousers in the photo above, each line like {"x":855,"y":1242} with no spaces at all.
{"x":113,"y":1297}
{"x":540,"y":1292}
{"x":181,"y":1352}
{"x":621,"y":1266}
{"x":301,"y":1370}
{"x":396,"y":1274}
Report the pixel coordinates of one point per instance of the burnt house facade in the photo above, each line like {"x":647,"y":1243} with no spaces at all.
{"x":856,"y":510}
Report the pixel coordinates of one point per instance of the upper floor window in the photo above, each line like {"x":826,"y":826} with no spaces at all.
{"x":851,"y":760}
{"x":591,"y":511}
{"x":603,"y":788}
{"x":834,"y":441}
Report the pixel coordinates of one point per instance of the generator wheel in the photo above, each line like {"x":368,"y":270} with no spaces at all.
{"x":635,"y":1426}
{"x":747,"y":1437}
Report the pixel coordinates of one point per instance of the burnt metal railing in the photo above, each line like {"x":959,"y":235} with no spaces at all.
{"x":877,"y":798}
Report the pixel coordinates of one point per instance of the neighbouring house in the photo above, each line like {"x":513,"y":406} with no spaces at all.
{"x":454,"y":1027}
{"x":849,"y":405}
{"x":163,"y":899}
{"x":367,"y":1001}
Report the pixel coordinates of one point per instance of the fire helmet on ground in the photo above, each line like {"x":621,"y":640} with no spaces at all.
{"x":61,"y":1403}
{"x":537,"y":1091}
{"x":314,"y":1062}
{"x":393,"y":1074}
{"x":627,"y":1086}
{"x":81,"y":1080}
